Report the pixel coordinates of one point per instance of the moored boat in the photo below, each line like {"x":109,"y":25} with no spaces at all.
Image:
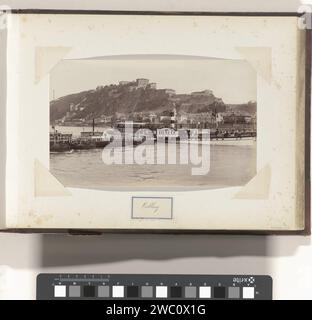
{"x":60,"y":147}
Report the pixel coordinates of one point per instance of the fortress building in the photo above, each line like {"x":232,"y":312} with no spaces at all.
{"x":142,"y":83}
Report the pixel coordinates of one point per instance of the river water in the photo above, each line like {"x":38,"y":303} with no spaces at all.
{"x":231,"y":164}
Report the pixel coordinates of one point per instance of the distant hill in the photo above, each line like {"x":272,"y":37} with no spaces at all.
{"x":128,"y":98}
{"x":249,"y":107}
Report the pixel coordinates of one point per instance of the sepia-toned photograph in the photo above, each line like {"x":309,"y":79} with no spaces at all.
{"x":153,"y":122}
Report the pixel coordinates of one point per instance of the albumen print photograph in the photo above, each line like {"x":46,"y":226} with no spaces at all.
{"x":153,"y":122}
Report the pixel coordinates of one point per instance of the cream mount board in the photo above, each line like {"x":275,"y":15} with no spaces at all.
{"x":236,"y":85}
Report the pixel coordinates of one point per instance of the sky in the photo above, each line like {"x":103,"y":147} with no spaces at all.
{"x":232,"y":80}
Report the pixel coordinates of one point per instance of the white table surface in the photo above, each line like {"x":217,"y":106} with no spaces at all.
{"x":288,"y":259}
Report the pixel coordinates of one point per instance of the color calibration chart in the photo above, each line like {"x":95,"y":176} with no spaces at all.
{"x":153,"y":287}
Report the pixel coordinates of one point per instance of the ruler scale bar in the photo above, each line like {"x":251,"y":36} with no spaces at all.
{"x":151,"y":286}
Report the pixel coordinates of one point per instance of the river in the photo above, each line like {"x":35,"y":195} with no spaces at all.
{"x":230,"y":165}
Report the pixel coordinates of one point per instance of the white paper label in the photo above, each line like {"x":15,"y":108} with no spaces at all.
{"x":152,"y":208}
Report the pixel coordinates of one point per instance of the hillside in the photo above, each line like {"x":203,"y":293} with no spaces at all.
{"x":130,"y":98}
{"x":249,"y":107}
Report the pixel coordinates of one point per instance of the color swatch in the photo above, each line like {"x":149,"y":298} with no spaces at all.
{"x":158,"y":287}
